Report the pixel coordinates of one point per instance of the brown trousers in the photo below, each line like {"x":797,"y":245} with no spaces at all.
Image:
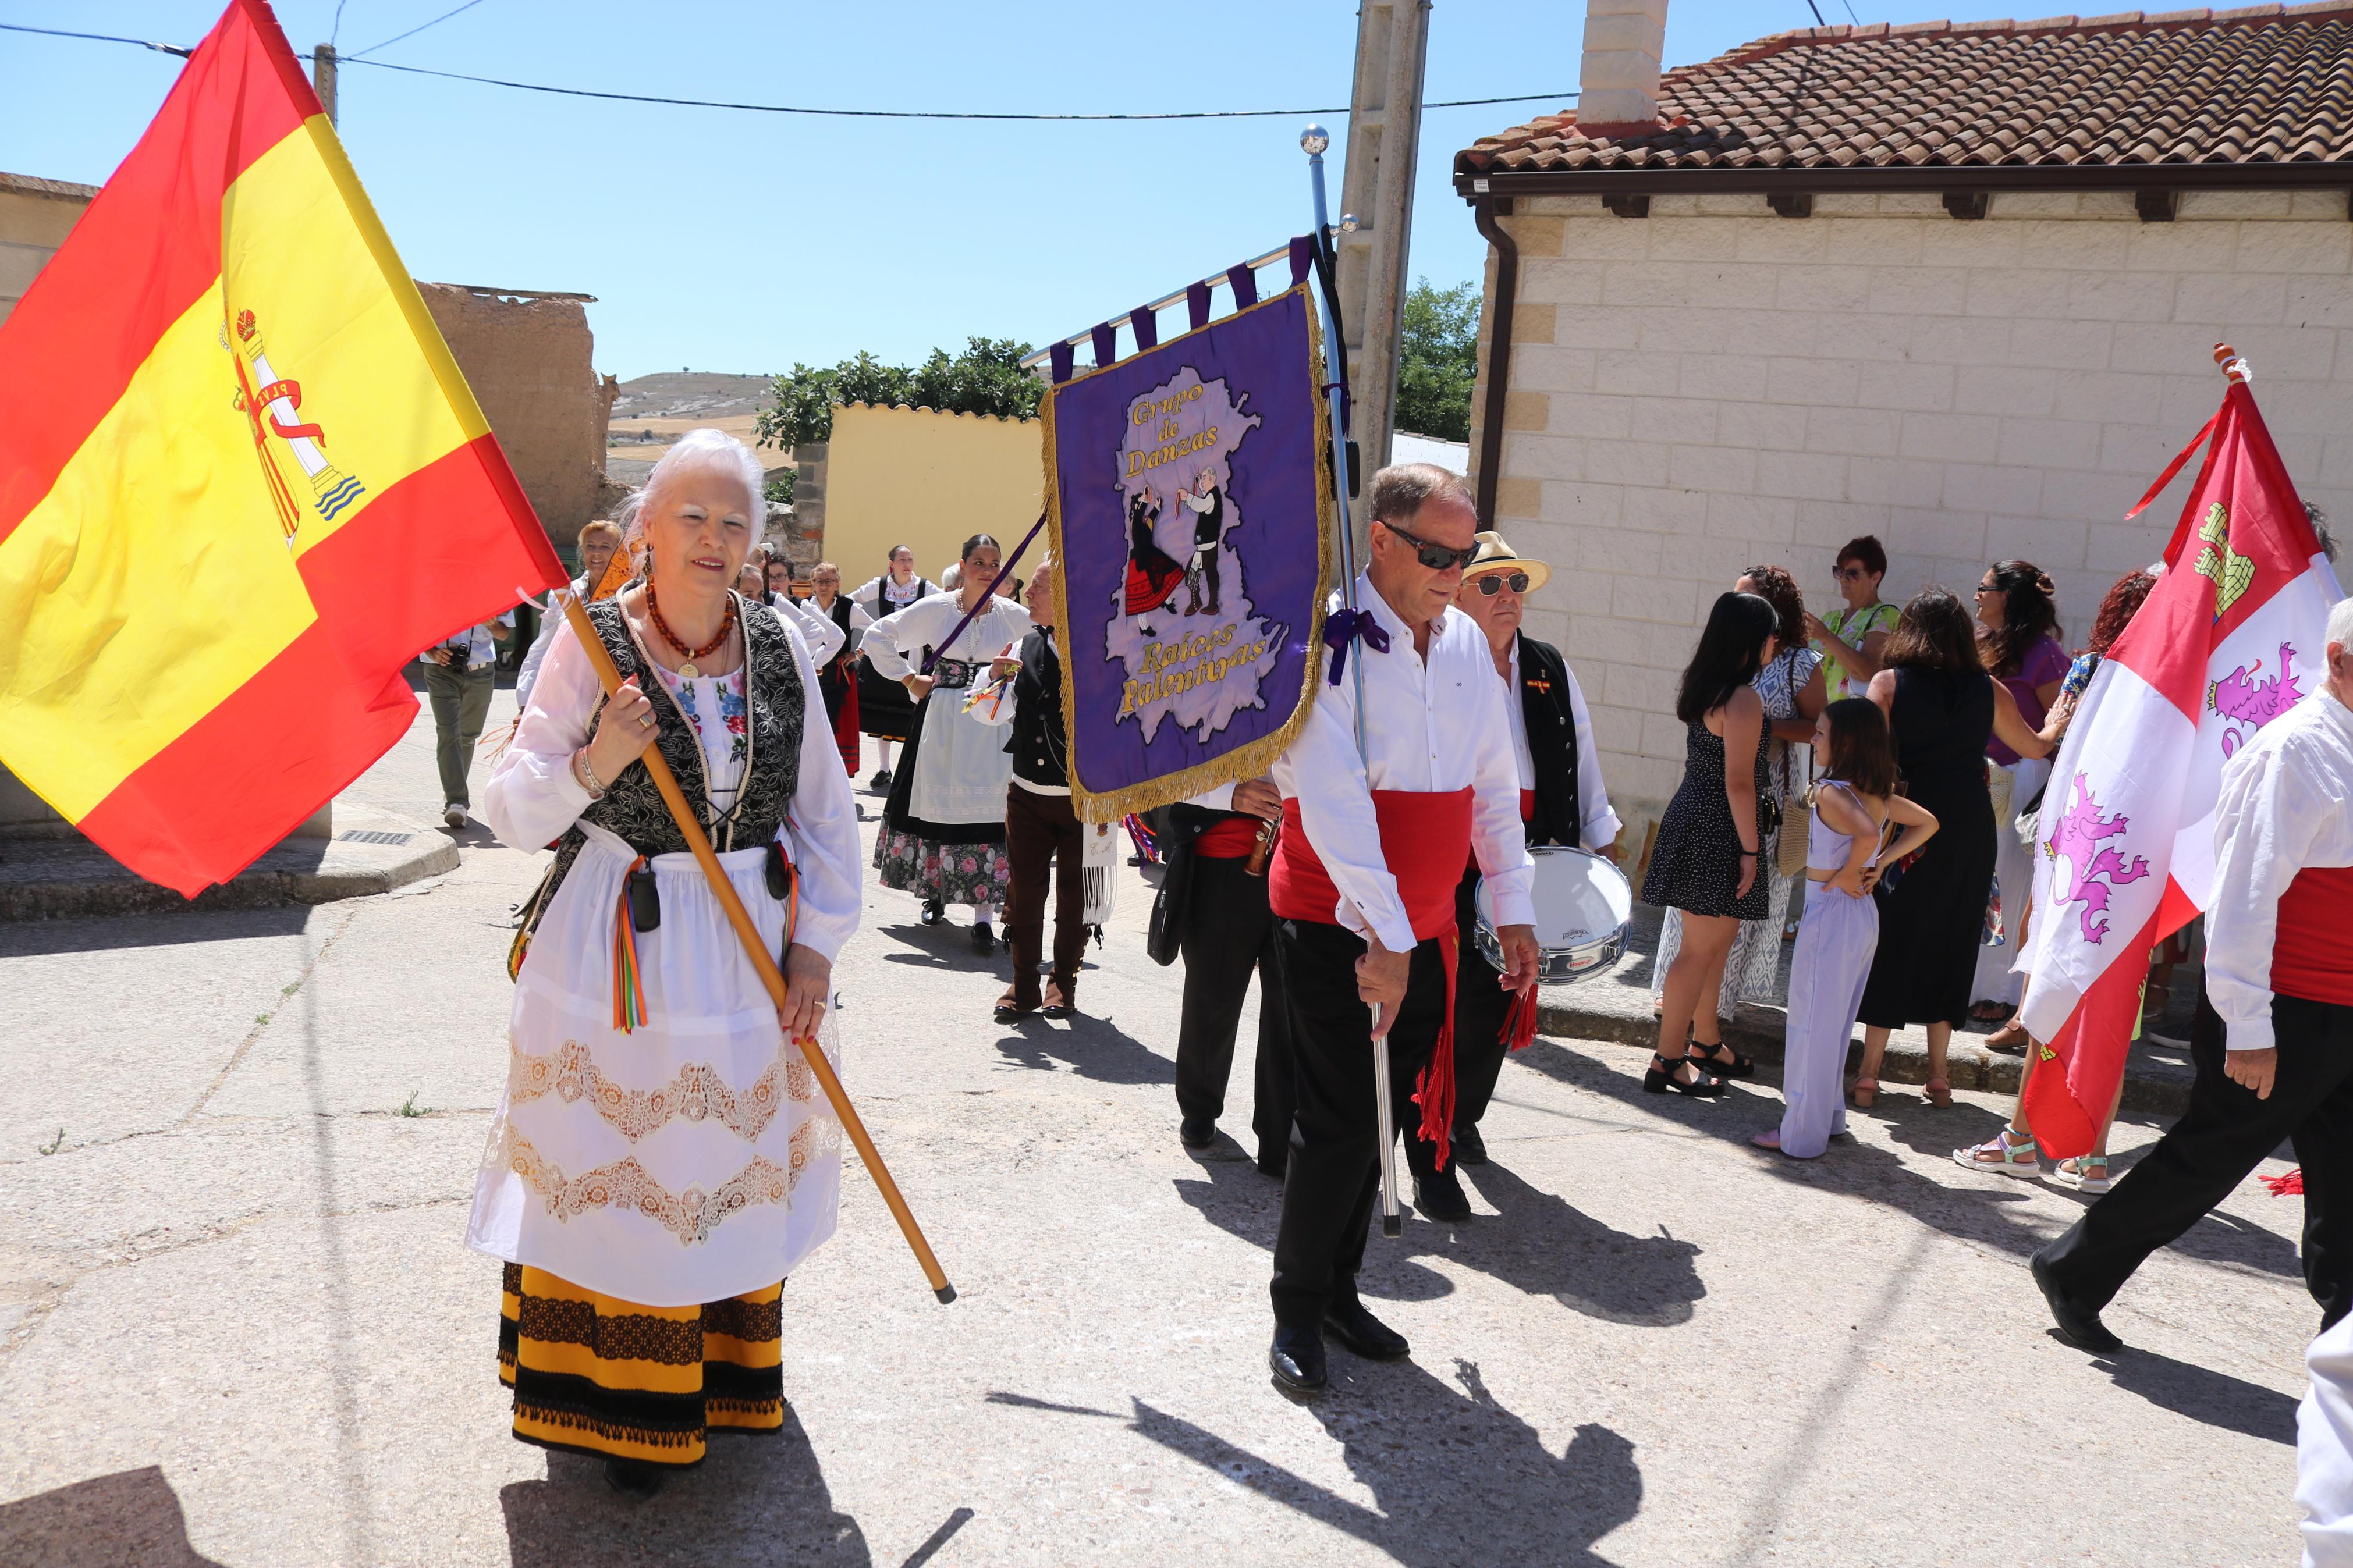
{"x":1040,"y":829}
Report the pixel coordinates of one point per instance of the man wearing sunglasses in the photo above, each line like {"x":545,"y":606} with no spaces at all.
{"x":1362,"y":890}
{"x":1562,"y":800}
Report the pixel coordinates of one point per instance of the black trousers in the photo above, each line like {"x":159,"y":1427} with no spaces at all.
{"x":1041,"y":831}
{"x":2225,"y":1133}
{"x":1229,"y":931}
{"x":1334,"y":1175}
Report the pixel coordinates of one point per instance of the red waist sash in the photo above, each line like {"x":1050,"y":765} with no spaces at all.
{"x":1232,"y":839}
{"x":1425,"y":842}
{"x":2312,"y":955}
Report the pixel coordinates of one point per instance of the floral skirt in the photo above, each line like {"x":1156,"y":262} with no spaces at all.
{"x":973,"y":874}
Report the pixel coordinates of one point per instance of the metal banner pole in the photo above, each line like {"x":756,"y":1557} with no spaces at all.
{"x":1313,"y":141}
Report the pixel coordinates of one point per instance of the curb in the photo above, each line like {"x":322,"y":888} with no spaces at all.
{"x":77,"y":882}
{"x":2151,"y":1088}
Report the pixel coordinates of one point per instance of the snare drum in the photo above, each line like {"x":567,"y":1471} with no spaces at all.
{"x":1584,"y":906}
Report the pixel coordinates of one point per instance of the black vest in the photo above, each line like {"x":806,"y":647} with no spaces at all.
{"x":1552,"y":742}
{"x":1038,"y":747}
{"x":777,"y":711}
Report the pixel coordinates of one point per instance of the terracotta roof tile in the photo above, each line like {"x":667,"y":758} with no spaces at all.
{"x":2260,"y":84}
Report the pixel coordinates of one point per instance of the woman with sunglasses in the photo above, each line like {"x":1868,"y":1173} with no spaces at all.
{"x":1853,"y":640}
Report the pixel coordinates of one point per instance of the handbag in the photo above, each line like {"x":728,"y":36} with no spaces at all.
{"x":1791,"y":847}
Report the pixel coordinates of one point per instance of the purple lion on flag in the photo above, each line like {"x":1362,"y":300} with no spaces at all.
{"x":2078,"y":843}
{"x":2241,"y":699}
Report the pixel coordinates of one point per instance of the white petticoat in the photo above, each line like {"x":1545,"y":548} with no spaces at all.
{"x":692,"y":1160}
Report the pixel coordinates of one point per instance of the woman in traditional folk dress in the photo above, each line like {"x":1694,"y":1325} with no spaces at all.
{"x":943,"y":834}
{"x":662,"y":1155}
{"x":883,"y":708}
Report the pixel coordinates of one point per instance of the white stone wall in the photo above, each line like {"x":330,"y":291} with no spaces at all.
{"x":1717,"y":386}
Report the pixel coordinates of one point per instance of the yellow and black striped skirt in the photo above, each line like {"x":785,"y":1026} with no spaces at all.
{"x":595,"y":1375}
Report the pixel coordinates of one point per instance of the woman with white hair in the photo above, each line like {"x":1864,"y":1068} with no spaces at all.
{"x":661,"y":1157}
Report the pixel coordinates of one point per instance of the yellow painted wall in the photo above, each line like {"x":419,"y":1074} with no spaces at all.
{"x":928,"y":481}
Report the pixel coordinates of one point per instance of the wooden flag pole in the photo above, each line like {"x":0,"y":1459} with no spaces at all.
{"x":691,"y":824}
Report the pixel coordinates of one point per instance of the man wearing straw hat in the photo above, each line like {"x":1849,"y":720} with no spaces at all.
{"x":1562,"y":800}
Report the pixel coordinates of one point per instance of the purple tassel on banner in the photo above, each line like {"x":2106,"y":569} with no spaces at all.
{"x":1064,"y":357}
{"x":1245,"y":285}
{"x":1107,"y":344}
{"x":1147,"y":323}
{"x":1197,"y":304}
{"x":1303,"y":256}
{"x":1342,"y":628}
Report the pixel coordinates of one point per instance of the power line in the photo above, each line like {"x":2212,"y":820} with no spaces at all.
{"x":801,"y":109}
{"x":412,"y":32}
{"x":336,"y":34}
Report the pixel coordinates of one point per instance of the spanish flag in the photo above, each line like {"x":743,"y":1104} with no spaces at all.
{"x":241,"y":483}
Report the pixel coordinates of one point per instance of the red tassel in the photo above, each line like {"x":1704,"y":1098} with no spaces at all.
{"x":2287,"y":1186}
{"x":1434,"y":1090}
{"x":1520,"y":1022}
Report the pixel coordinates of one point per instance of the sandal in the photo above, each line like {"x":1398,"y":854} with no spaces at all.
{"x":2084,"y":1173}
{"x":2010,"y":1039}
{"x":1988,"y":1011}
{"x":1938,"y":1090}
{"x":1998,"y":1154}
{"x":1866,"y":1092}
{"x":1703,"y":1052}
{"x":1664,"y":1075}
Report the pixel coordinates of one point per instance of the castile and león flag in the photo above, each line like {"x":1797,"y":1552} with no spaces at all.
{"x":2227,"y":640}
{"x":241,"y":483}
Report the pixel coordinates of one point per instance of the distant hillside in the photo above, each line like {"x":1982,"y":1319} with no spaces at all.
{"x":690,"y":395}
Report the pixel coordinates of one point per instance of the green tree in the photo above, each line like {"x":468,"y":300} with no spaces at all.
{"x":1438,"y":360}
{"x":986,"y":378}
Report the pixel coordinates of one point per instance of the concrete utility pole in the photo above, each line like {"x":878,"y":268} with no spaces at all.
{"x":323,"y":78}
{"x":1384,"y":134}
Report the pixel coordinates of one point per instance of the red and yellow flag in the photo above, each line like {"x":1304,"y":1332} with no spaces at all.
{"x":241,"y":483}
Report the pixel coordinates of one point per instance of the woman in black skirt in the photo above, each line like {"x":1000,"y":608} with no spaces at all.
{"x":1706,"y":860}
{"x":1941,"y":706}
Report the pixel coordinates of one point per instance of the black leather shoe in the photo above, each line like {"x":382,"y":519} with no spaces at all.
{"x":632,"y":1477}
{"x":1296,"y":1359}
{"x":2079,"y":1325}
{"x":933,"y":912}
{"x":1363,"y":1335}
{"x":1468,"y":1147}
{"x":1273,"y":1162}
{"x":983,"y":938}
{"x":1198,"y":1131}
{"x":1439,"y":1196}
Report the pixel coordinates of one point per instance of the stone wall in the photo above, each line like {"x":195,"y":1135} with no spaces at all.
{"x":528,"y":359}
{"x":35,"y":216}
{"x":1715,"y":385}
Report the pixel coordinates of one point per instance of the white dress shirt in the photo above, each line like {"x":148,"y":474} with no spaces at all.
{"x":2283,"y":809}
{"x":823,"y":640}
{"x":479,"y":647}
{"x":532,"y":795}
{"x":1432,"y":725}
{"x":1597,"y":824}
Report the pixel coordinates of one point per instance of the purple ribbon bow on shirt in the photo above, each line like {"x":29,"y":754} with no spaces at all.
{"x":1344,"y":627}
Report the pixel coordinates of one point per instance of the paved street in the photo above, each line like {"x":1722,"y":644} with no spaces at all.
{"x":240,"y":1327}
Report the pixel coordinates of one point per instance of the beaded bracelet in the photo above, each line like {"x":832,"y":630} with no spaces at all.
{"x":585,"y":776}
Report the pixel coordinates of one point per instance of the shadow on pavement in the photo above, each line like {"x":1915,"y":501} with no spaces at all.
{"x":2203,"y":1395}
{"x":1539,"y":1244}
{"x":1489,"y":1493}
{"x":36,"y":939}
{"x":757,"y":1499}
{"x":131,"y":1518}
{"x":1093,"y":1047}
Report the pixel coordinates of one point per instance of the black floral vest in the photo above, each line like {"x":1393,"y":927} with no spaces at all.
{"x":632,"y":808}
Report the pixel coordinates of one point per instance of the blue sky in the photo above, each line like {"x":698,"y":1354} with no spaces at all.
{"x":724,"y":240}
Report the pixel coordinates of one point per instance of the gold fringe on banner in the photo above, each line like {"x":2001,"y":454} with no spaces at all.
{"x":1255,"y":759}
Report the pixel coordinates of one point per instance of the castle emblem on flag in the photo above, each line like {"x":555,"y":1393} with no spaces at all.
{"x":2241,"y":699}
{"x":2078,"y":842}
{"x":272,"y":406}
{"x":2232,"y":572}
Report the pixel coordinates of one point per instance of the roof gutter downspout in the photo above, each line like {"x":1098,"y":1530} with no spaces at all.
{"x":1499,"y":352}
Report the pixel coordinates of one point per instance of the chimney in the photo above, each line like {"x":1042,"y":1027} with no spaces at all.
{"x":1619,"y":85}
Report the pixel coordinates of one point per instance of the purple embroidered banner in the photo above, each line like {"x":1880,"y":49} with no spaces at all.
{"x":1189,"y":500}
